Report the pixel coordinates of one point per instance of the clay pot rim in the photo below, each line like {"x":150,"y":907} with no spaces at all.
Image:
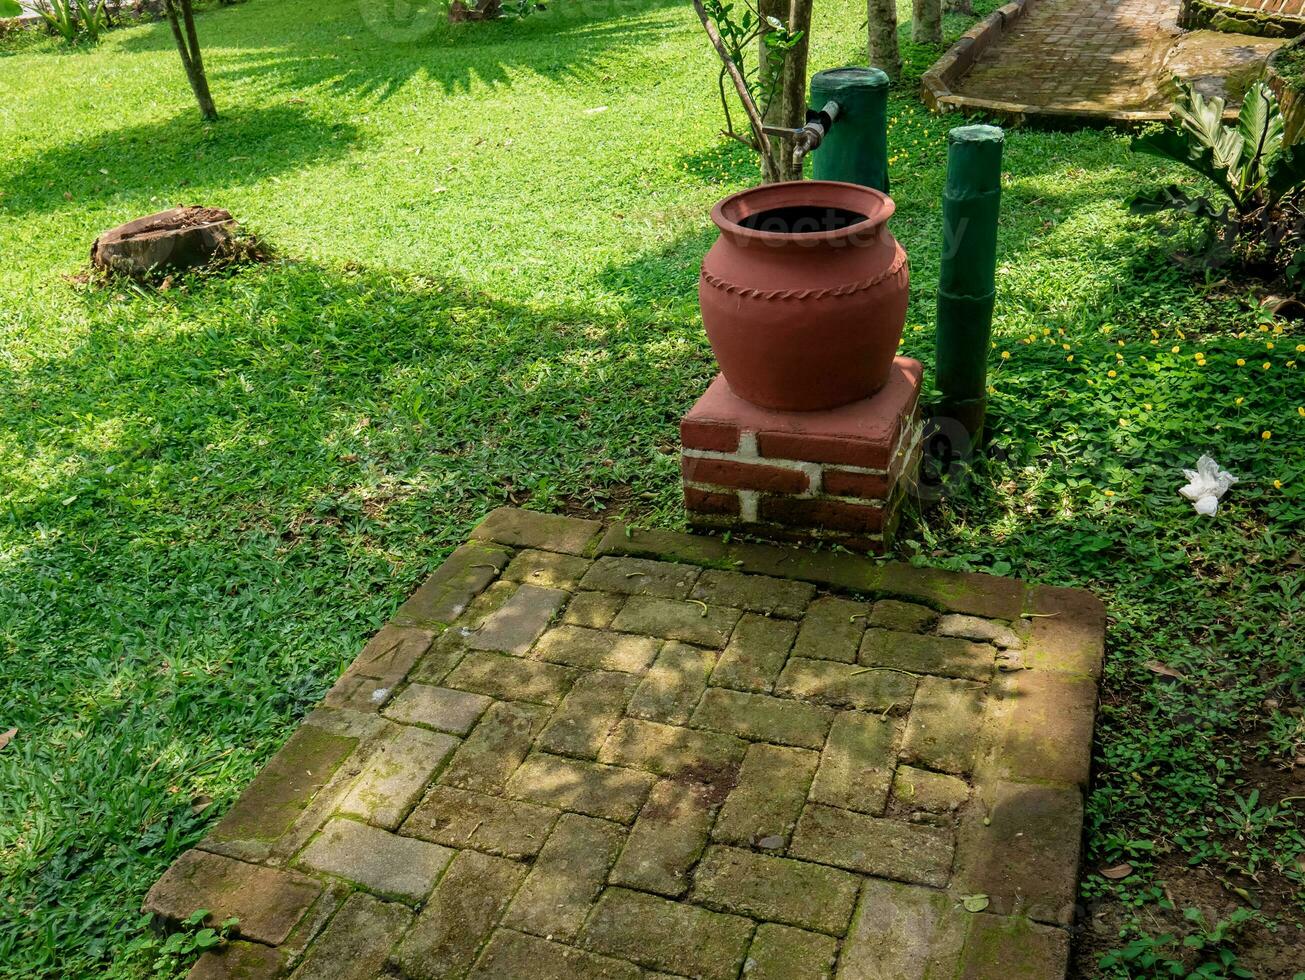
{"x":877,"y":206}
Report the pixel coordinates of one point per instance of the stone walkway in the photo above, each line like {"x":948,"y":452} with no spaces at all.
{"x":586,"y":752}
{"x":1108,"y":59}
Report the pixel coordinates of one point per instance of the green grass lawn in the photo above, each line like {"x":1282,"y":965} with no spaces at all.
{"x":485,"y":292}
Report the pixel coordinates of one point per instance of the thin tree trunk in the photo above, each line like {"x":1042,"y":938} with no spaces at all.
{"x":191,"y":59}
{"x":788,"y":105}
{"x":926,"y":21}
{"x":795,"y":80}
{"x":881,"y":19}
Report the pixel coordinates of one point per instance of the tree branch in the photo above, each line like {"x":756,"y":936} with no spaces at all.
{"x":740,"y":85}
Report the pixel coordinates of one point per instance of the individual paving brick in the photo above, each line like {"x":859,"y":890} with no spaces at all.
{"x":776,"y":889}
{"x":547,"y":568}
{"x":285,"y":786}
{"x":1025,"y":857}
{"x":638,"y":576}
{"x":357,"y":942}
{"x":396,"y":774}
{"x":583,"y":787}
{"x":755,"y":655}
{"x":510,"y":678}
{"x":669,"y":691}
{"x":376,"y":859}
{"x":494,"y":749}
{"x":514,"y":954}
{"x":845,"y":685}
{"x":1012,"y":946}
{"x":664,"y":935}
{"x":458,"y":818}
{"x":761,"y":718}
{"x":532,"y":529}
{"x":669,"y":750}
{"x":1068,"y":631}
{"x":667,"y":838}
{"x":831,"y":630}
{"x":856,"y":766}
{"x":267,"y":901}
{"x":784,"y":953}
{"x":581,"y":723}
{"x":515,"y":627}
{"x":888,"y":848}
{"x":444,"y":596}
{"x":906,"y":931}
{"x":438,"y":707}
{"x":566,"y":878}
{"x":676,"y":620}
{"x":593,"y":610}
{"x":979,"y":630}
{"x":922,"y":791}
{"x":1040,"y":727}
{"x":943,"y":729}
{"x":906,"y":617}
{"x":755,"y":593}
{"x":239,"y":961}
{"x":357,"y":693}
{"x":597,"y":649}
{"x":941,"y":655}
{"x":765,"y":802}
{"x":444,"y":654}
{"x":459,"y":917}
{"x":390,"y":654}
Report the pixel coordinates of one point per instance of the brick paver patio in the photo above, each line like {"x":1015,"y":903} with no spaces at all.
{"x":1107,"y":58}
{"x":588,"y":752}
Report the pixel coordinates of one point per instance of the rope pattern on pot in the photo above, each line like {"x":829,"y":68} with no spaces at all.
{"x":847,"y":289}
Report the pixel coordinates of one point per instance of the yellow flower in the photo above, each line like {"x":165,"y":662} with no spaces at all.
{"x":1300,"y":348}
{"x":1111,"y":374}
{"x":1266,"y":434}
{"x":1301,"y":411}
{"x":1064,"y":346}
{"x":1199,"y":355}
{"x":1241,"y":362}
{"x":1174,"y":349}
{"x":1268,"y":345}
{"x":1277,"y":484}
{"x":1110,"y":493}
{"x":1240,"y":400}
{"x":1264,"y":328}
{"x":1005,"y":355}
{"x":1266,"y":365}
{"x":1046,"y":331}
{"x":1147,"y":406}
{"x":1070,"y":357}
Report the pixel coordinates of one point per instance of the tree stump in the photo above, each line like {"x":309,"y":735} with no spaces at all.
{"x":169,"y":241}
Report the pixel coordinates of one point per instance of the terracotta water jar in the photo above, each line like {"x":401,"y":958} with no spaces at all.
{"x":804,"y":293}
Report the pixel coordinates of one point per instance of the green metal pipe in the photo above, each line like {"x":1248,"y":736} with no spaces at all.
{"x":967,"y":280}
{"x":856,"y":148}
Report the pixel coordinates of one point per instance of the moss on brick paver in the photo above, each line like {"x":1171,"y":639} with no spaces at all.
{"x":589,"y":754}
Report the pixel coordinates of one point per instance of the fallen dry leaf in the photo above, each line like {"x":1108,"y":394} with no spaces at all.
{"x":1116,"y":872}
{"x":7,"y":737}
{"x":1164,"y":670}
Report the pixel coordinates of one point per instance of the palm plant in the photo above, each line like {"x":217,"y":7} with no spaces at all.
{"x":1249,"y":161}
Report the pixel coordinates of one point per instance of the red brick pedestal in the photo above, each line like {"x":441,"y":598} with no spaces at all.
{"x":835,"y":475}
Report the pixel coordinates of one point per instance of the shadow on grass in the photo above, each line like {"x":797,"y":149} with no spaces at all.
{"x":163,"y":157}
{"x":373,"y":47}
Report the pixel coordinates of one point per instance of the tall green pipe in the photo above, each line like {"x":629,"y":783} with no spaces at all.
{"x":856,"y":147}
{"x":967,"y":282}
